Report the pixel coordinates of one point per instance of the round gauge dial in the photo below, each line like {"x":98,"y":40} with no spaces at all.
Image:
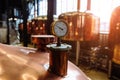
{"x":60,"y":28}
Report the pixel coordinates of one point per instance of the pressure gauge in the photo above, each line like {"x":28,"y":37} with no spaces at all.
{"x":59,"y":28}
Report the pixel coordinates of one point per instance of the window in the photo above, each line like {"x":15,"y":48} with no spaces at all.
{"x":101,"y":8}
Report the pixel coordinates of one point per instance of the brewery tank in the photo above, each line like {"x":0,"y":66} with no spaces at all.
{"x":83,"y":26}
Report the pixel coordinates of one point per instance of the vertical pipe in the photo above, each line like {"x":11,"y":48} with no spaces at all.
{"x":25,"y":17}
{"x":88,"y":4}
{"x":55,"y":7}
{"x":77,"y":42}
{"x":8,"y":29}
{"x":38,"y":8}
{"x":49,"y":15}
{"x":35,"y":8}
{"x":77,"y":51}
{"x":78,"y":5}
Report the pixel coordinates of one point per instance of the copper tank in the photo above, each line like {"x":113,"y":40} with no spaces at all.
{"x":83,"y":26}
{"x":114,"y":35}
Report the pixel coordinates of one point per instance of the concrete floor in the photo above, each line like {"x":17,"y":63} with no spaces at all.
{"x":95,"y":74}
{"x":91,"y":73}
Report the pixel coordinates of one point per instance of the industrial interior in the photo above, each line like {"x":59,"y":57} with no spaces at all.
{"x":59,"y":39}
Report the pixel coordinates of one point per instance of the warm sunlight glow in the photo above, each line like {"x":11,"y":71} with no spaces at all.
{"x":28,"y":76}
{"x":103,"y":9}
{"x":100,"y":8}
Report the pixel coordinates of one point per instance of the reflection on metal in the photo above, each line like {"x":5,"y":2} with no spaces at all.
{"x":114,"y":28}
{"x":38,"y":25}
{"x":27,"y":76}
{"x":116,"y":55}
{"x":42,"y":40}
{"x":83,"y":26}
{"x":59,"y":59}
{"x":33,"y":68}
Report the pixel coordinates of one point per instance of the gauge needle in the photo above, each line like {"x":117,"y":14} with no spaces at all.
{"x":60,"y":28}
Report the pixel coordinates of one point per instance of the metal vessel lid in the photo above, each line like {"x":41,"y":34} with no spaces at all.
{"x":62,"y":47}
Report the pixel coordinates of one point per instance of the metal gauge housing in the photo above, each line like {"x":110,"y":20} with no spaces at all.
{"x":59,"y":28}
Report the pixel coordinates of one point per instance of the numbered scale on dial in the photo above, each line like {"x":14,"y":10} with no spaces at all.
{"x":59,"y":28}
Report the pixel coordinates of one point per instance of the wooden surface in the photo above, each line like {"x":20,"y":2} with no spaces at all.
{"x":20,"y":63}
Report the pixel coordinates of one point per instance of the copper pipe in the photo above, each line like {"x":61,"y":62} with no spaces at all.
{"x":78,"y":5}
{"x":88,"y":4}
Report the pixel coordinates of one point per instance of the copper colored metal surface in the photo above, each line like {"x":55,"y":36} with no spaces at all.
{"x":42,"y":40}
{"x":114,"y":35}
{"x":19,"y":63}
{"x":58,"y":58}
{"x":58,"y":63}
{"x":78,"y":26}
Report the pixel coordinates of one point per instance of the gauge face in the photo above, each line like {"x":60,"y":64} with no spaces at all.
{"x":60,"y":28}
